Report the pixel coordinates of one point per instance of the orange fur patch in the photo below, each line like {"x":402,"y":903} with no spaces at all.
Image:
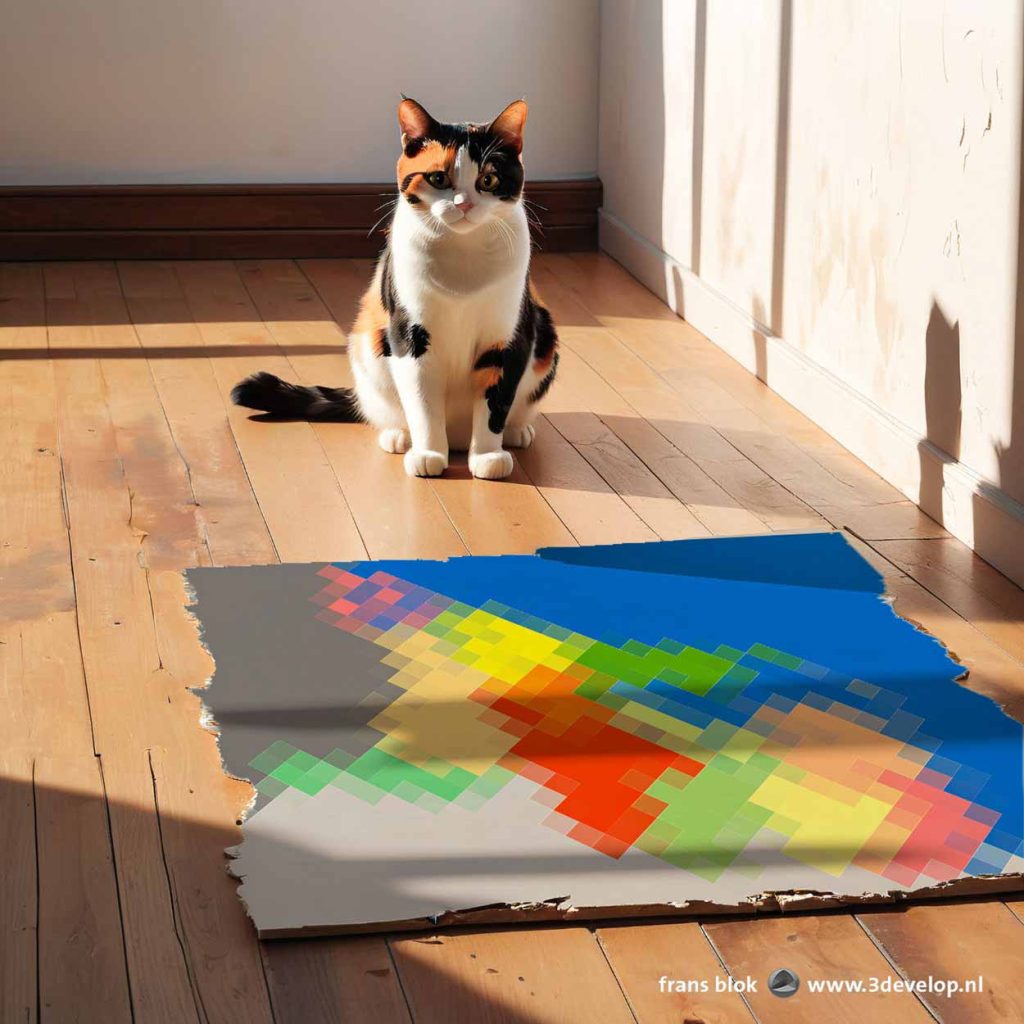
{"x":543,"y":365}
{"x":486,"y":379}
{"x":488,"y":376}
{"x":432,"y":157}
{"x":371,"y":320}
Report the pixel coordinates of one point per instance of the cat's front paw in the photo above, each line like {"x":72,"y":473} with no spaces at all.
{"x":422,"y":462}
{"x":394,"y":440}
{"x":519,"y":437}
{"x":490,"y":465}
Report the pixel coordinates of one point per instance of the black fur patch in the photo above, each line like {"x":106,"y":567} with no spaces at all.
{"x":515,"y":357}
{"x":385,"y":345}
{"x":419,"y":339}
{"x":402,"y":337}
{"x":492,"y":359}
{"x":270,"y":394}
{"x":545,"y":339}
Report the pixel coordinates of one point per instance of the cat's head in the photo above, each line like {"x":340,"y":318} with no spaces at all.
{"x":459,"y":177}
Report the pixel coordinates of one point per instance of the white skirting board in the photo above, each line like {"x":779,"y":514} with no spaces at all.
{"x":973,"y":510}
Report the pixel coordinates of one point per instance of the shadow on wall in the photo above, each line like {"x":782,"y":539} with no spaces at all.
{"x":942,"y":408}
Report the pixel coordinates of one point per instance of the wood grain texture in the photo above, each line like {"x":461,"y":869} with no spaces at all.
{"x":972,"y":588}
{"x":542,"y":976}
{"x":176,"y":936}
{"x":320,"y":981}
{"x":642,"y":955}
{"x":18,"y":889}
{"x":829,"y":946}
{"x":82,"y":965}
{"x":228,"y":515}
{"x":577,"y":493}
{"x":122,"y":462}
{"x":958,"y":942}
{"x":615,"y":464}
{"x":297,"y":490}
{"x":991,"y":670}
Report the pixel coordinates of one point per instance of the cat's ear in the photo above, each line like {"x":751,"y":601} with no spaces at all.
{"x":509,"y":125}
{"x":414,"y":121}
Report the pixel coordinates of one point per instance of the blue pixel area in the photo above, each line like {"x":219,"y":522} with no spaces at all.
{"x":810,"y":595}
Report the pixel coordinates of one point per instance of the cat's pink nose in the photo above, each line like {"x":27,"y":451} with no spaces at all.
{"x":463,"y":202}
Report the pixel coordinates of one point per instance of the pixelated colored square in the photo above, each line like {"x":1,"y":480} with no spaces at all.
{"x":692,"y":756}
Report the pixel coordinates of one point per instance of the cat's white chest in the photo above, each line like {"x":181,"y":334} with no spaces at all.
{"x":461,"y":325}
{"x":465,"y":290}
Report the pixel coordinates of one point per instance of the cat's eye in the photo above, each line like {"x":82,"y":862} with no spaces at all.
{"x":438,"y":179}
{"x":488,"y":182}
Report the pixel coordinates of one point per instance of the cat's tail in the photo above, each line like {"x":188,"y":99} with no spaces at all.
{"x":270,"y":394}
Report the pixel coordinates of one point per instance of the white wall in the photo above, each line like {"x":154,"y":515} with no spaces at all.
{"x":830,"y":191}
{"x":134,"y":91}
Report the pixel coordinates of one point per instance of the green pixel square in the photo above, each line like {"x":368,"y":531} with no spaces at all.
{"x":271,"y":787}
{"x":317,"y":777}
{"x":788,"y":661}
{"x":277,"y":753}
{"x":340,"y":758}
{"x":287,"y":773}
{"x":356,"y":787}
{"x":300,"y":759}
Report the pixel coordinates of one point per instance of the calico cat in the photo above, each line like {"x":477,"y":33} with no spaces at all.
{"x":451,"y":347}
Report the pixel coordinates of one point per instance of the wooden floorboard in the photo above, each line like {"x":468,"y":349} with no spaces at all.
{"x":825,"y":946}
{"x":229,"y":517}
{"x":539,"y":976}
{"x":122,"y":461}
{"x":291,"y":476}
{"x":350,"y":980}
{"x":970,"y":587}
{"x":671,"y":973}
{"x":958,"y":942}
{"x":83,"y":967}
{"x":19,"y":910}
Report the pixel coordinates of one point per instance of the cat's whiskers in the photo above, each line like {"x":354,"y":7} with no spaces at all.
{"x":509,"y":237}
{"x":532,"y":218}
{"x":387,"y":213}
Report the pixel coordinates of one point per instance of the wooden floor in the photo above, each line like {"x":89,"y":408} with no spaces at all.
{"x":123,"y":462}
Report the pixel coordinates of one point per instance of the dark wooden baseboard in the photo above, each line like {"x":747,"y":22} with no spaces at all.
{"x":243,"y":221}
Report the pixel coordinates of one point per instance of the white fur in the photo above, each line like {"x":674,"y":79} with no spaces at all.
{"x":461,"y":275}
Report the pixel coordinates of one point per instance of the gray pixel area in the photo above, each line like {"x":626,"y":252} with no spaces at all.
{"x":285,"y":675}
